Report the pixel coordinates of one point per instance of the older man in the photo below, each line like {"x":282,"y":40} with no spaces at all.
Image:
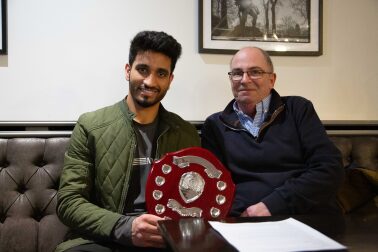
{"x":276,"y":148}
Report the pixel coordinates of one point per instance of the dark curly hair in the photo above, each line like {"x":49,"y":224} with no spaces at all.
{"x":156,"y":42}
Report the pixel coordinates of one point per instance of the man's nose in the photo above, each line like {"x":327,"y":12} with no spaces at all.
{"x":151,"y":79}
{"x":245,"y":78}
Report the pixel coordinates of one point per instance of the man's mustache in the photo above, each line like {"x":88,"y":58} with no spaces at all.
{"x":147,"y":88}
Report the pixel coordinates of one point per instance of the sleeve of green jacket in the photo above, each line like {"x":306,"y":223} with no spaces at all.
{"x":76,"y":187}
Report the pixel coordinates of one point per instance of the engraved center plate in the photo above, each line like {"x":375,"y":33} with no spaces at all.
{"x":191,"y":186}
{"x":189,"y":183}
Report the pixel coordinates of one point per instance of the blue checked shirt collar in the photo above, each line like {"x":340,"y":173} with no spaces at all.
{"x":252,"y":125}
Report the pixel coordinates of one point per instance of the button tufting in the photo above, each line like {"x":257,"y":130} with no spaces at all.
{"x":37,"y":216}
{"x":55,"y":185}
{"x":4,"y":164}
{"x":21,"y":188}
{"x":41,"y":163}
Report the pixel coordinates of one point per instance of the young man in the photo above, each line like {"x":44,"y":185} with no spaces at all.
{"x":276,"y":148}
{"x":101,"y":193}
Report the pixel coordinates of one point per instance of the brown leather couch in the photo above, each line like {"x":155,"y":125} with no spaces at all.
{"x":29,"y":175}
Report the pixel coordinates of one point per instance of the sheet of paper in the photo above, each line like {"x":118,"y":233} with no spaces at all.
{"x":287,"y":235}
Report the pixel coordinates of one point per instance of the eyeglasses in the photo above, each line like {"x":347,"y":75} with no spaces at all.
{"x":237,"y":75}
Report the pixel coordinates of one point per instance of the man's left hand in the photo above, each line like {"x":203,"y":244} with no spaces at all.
{"x":258,"y":209}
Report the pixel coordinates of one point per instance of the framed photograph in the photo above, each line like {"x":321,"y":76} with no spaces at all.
{"x":3,"y":27}
{"x":281,"y":27}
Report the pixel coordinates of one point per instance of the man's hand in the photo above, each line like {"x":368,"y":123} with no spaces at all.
{"x":258,"y":209}
{"x":145,"y":233}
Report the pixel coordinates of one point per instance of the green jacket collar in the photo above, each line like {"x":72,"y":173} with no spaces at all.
{"x":163,"y":114}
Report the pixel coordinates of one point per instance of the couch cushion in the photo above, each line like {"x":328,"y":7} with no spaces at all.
{"x":372,"y":176}
{"x":355,"y":191}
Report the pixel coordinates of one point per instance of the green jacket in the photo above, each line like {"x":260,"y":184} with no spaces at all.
{"x":97,"y":165}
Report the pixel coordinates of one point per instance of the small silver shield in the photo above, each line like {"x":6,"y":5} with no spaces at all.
{"x":191,"y":186}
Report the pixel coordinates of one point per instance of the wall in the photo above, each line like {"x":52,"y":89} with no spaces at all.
{"x":66,"y":57}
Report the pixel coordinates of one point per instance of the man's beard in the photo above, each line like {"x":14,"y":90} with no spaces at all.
{"x":144,"y":101}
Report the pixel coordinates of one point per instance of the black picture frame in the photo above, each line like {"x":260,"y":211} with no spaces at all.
{"x":217,"y":36}
{"x":3,"y":27}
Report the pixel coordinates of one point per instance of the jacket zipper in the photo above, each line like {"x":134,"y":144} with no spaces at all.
{"x":272,"y":118}
{"x":127,"y":177}
{"x":263,"y":126}
{"x":157,"y":143}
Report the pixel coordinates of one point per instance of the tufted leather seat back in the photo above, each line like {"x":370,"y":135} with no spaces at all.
{"x":29,"y":178}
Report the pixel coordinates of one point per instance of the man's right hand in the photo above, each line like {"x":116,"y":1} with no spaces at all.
{"x":145,"y":233}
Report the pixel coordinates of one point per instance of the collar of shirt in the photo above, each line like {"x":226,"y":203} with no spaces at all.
{"x":252,"y":125}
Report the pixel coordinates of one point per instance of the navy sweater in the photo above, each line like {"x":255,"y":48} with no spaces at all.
{"x":292,"y":166}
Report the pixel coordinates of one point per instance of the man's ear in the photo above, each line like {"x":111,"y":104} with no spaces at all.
{"x":127,"y":71}
{"x":170,"y":80}
{"x":273,"y":80}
